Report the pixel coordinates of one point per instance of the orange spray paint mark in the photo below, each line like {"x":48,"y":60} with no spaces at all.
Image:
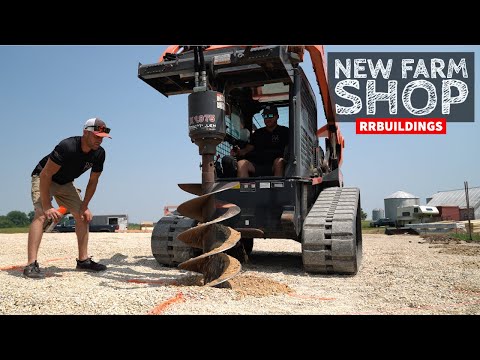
{"x":57,"y":259}
{"x":157,"y":310}
{"x":20,"y":267}
{"x":157,"y":282}
{"x":13,"y":267}
{"x":469,"y":292}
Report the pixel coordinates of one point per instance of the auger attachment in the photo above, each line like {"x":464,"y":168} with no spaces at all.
{"x":207,"y":130}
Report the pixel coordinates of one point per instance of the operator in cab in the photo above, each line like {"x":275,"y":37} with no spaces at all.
{"x":263,"y":155}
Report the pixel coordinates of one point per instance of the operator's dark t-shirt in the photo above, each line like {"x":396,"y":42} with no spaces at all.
{"x":73,"y":161}
{"x":269,"y":145}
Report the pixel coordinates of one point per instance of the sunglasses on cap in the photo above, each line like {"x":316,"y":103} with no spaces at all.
{"x":268,"y":116}
{"x":100,"y":128}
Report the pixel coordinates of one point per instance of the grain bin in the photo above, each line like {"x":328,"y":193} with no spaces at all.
{"x":377,"y":214}
{"x":399,"y":198}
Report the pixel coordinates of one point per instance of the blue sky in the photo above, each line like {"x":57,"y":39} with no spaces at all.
{"x":48,"y":92}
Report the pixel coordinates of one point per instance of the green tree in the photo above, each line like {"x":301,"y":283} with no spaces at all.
{"x":18,"y":218}
{"x":31,"y":215}
{"x":364,"y":214}
{"x":5,"y":222}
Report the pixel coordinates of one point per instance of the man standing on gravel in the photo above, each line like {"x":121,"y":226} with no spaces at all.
{"x":53,"y":176}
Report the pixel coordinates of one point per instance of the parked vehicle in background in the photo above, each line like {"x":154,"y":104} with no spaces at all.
{"x":416,"y":214}
{"x":120,"y":220}
{"x":67,"y":224}
{"x":382,"y":222}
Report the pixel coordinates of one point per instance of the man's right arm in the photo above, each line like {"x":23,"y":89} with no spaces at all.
{"x":248,"y":148}
{"x":46,"y":175}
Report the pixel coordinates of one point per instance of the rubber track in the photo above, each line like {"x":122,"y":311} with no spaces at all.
{"x":166,"y":248}
{"x":331,"y":243}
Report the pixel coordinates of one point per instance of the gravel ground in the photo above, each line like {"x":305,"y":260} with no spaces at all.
{"x":401,"y":274}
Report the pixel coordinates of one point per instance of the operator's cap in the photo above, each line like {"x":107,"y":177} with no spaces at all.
{"x":270,"y":109}
{"x":98,"y":127}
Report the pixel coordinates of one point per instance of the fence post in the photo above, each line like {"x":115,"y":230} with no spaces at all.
{"x":468,"y":210}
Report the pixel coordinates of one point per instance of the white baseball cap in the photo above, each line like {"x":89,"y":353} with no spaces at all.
{"x":98,"y":127}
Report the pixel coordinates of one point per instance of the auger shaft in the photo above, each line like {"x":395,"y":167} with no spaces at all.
{"x":208,"y":180}
{"x":208,"y":211}
{"x":207,"y":130}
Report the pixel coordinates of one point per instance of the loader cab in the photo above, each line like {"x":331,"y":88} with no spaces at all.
{"x":297,"y":110}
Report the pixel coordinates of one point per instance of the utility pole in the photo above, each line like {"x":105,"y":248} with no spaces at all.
{"x":468,"y":209}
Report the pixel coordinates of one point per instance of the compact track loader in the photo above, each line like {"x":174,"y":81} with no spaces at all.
{"x":228,"y":87}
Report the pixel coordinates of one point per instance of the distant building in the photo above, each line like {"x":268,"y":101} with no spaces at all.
{"x":465,"y":215}
{"x":447,"y":212}
{"x":456,"y":198}
{"x":399,"y":199}
{"x":378,"y":214}
{"x":147,"y":226}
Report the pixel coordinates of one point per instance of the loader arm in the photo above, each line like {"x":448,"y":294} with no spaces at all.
{"x":331,"y":130}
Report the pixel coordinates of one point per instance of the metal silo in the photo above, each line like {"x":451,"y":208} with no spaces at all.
{"x":377,"y":214}
{"x":397,"y":199}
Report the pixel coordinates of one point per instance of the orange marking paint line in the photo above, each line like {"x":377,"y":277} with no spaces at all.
{"x":470,"y":292}
{"x":12,"y":267}
{"x":311,"y":297}
{"x":158,"y":282}
{"x":20,"y":267}
{"x":57,"y":259}
{"x":161,"y":307}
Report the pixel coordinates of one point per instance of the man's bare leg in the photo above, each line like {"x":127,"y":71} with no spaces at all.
{"x":245,"y":168}
{"x":35,"y":234}
{"x":81,"y":229}
{"x":278,"y":167}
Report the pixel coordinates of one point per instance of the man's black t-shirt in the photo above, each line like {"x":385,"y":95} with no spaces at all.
{"x":269,"y":145}
{"x":73,"y":161}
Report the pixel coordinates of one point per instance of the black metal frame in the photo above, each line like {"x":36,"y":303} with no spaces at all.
{"x":177,"y":76}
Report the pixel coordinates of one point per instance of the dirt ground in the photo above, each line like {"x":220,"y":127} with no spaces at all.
{"x":400,"y":274}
